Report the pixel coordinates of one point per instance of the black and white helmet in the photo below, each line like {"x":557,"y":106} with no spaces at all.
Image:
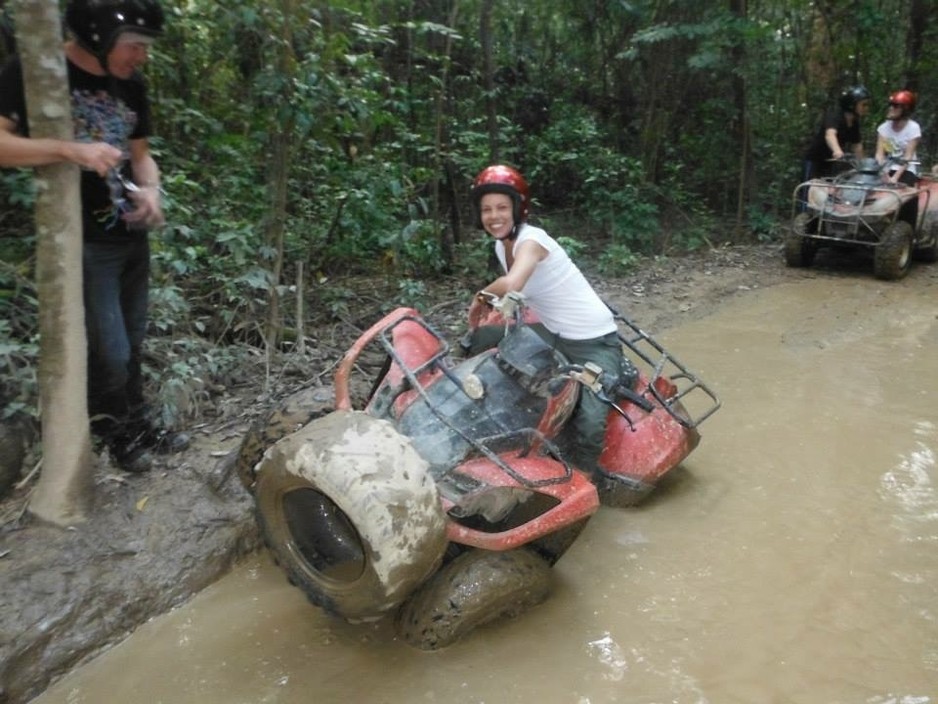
{"x":97,"y":24}
{"x":853,"y":95}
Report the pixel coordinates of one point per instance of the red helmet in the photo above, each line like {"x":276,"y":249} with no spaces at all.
{"x":904,"y":99}
{"x":502,"y":179}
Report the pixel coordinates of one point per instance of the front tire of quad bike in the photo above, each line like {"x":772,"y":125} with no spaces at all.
{"x":552,"y":546}
{"x":799,"y":248}
{"x":478,"y":587}
{"x":928,"y":253}
{"x":350,"y":512}
{"x":892,"y":258}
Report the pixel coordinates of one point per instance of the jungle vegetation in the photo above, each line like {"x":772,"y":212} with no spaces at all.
{"x":340,"y":138}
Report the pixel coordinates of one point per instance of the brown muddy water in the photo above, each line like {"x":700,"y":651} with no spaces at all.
{"x":794,"y":558}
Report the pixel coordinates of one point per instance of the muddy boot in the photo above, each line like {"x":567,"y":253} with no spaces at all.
{"x":158,"y":440}
{"x":167,"y":442}
{"x":129,"y":455}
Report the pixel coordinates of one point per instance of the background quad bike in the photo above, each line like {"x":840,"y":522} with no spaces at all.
{"x":896,"y":239}
{"x":350,"y":511}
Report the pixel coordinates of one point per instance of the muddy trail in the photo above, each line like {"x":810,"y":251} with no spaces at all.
{"x":156,"y":540}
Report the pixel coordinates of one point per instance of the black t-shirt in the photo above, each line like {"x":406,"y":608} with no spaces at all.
{"x":104,"y":109}
{"x":847,"y":135}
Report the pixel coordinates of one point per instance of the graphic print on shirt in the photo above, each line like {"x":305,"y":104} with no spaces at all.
{"x":101,"y":117}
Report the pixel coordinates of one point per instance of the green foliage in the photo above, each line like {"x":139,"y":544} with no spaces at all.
{"x":18,"y":188}
{"x":765,"y":227}
{"x":412,"y":293}
{"x":608,"y":190}
{"x":475,"y":261}
{"x":182,"y":373}
{"x":19,"y":345}
{"x":617,"y":260}
{"x":625,"y":117}
{"x":336,"y":300}
{"x":576,"y":249}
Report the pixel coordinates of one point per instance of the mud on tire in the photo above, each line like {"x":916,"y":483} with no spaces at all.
{"x":928,"y":253}
{"x":297,"y":410}
{"x":476,"y":588}
{"x":800,"y":249}
{"x":892,"y":258}
{"x":349,"y":511}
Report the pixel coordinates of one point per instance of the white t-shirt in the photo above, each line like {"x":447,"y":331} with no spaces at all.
{"x":896,"y":142}
{"x":558,"y":292}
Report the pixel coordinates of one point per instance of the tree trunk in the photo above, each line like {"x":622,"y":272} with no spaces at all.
{"x":919,"y":12}
{"x":446,"y":236}
{"x":740,"y":10}
{"x":280,"y":146}
{"x":278,"y":172}
{"x":488,"y":76}
{"x":65,"y":490}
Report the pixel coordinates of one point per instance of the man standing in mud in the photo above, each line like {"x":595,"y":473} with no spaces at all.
{"x":120,"y":196}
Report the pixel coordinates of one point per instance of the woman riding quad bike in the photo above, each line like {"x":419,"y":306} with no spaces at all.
{"x":443,"y":496}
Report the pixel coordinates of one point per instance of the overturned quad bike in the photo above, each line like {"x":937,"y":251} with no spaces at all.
{"x":858,"y":208}
{"x":446,"y":498}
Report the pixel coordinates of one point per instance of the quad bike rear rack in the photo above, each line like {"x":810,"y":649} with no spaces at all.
{"x":669,"y":381}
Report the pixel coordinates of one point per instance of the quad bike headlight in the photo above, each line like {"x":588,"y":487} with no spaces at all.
{"x":492,"y":504}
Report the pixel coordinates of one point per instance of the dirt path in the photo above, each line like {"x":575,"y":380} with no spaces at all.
{"x":157,"y":539}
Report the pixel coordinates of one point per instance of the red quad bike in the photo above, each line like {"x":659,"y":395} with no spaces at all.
{"x":446,"y":499}
{"x":858,"y":208}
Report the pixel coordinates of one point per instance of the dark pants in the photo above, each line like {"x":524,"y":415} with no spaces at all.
{"x":116,"y":287}
{"x":587,"y":429}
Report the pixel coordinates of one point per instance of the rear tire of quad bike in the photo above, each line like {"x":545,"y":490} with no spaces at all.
{"x":350,"y":512}
{"x":293,"y":413}
{"x":928,"y":254}
{"x":621,"y":491}
{"x":476,"y":588}
{"x":892,"y":259}
{"x":799,"y":248}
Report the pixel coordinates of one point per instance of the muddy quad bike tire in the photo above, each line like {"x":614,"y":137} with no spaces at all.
{"x":799,"y":248}
{"x":350,"y":512}
{"x":478,"y":587}
{"x":892,"y":258}
{"x":553,"y":545}
{"x":293,"y":413}
{"x":928,"y":253}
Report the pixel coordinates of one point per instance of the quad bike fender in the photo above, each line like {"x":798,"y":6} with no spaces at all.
{"x":412,"y":342}
{"x":572,"y":500}
{"x":928,"y":202}
{"x":648,"y":444}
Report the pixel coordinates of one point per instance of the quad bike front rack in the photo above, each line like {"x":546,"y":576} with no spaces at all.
{"x":415,"y":374}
